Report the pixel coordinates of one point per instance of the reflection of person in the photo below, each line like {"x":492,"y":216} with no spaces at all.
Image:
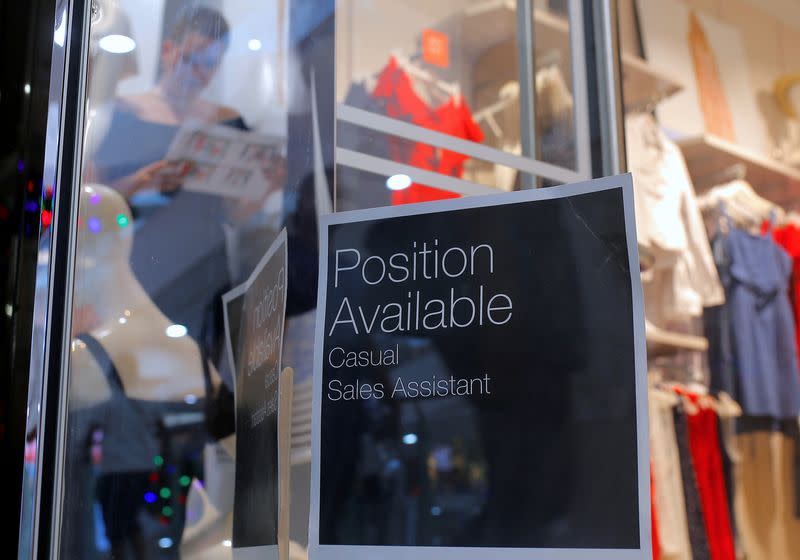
{"x":190,"y":57}
{"x":180,"y":238}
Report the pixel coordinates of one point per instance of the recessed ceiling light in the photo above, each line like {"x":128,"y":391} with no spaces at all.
{"x":117,"y":44}
{"x":398,"y":182}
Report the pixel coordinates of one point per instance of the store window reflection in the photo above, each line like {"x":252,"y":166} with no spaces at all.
{"x":184,"y":172}
{"x":459,"y":68}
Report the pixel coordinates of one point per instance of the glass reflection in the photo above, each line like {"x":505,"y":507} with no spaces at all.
{"x":182,"y":190}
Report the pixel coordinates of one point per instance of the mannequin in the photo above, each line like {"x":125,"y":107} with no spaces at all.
{"x":112,"y":305}
{"x":117,"y":328}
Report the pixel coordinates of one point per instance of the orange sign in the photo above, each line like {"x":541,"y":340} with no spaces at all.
{"x":435,"y":48}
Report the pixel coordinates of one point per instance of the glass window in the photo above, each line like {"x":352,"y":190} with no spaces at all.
{"x":473,"y":81}
{"x":182,"y":192}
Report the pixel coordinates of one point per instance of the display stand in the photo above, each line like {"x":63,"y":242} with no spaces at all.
{"x":707,"y":155}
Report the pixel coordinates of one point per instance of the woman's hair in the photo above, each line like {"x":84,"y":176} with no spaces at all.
{"x":202,"y":20}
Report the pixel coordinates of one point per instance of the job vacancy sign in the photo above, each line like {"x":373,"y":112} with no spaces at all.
{"x":479,"y":382}
{"x":255,"y":312}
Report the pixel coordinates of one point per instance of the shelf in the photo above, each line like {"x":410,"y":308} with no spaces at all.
{"x":642,"y":84}
{"x":480,"y":27}
{"x":483,"y":26}
{"x":662,"y":343}
{"x":707,"y":156}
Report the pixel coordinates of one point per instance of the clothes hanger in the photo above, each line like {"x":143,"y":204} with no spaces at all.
{"x":508,"y":95}
{"x":742,"y":204}
{"x":424,"y":76}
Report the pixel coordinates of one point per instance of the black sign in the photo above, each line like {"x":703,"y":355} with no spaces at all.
{"x":255,"y":315}
{"x":480,"y":378}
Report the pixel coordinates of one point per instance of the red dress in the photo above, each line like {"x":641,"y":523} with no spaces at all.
{"x":396,"y":89}
{"x":707,"y":464}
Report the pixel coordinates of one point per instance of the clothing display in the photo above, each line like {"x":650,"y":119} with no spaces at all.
{"x":691,"y":493}
{"x":668,"y":492}
{"x":396,"y":90}
{"x":788,"y":237}
{"x":684,"y":278}
{"x":704,"y":447}
{"x":756,"y":361}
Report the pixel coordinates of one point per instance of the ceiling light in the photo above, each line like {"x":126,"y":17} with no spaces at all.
{"x":176,"y":331}
{"x":117,"y":44}
{"x":398,"y":182}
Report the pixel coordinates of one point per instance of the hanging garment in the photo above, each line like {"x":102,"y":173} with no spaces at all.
{"x":669,"y":223}
{"x":694,"y":509}
{"x":396,"y":89}
{"x":766,"y":486}
{"x":756,"y":327}
{"x":788,"y":237}
{"x":668,"y":494}
{"x":456,"y":120}
{"x":707,"y":463}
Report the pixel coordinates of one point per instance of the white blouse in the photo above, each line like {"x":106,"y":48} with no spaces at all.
{"x":669,"y":223}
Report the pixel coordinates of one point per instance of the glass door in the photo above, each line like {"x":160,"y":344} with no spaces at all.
{"x":189,"y":134}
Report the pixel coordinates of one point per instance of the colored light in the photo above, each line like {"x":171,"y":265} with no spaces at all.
{"x":254,"y":45}
{"x":185,"y":480}
{"x":32,"y":206}
{"x":398,"y":182}
{"x":165,"y":493}
{"x":95,"y":226}
{"x":47,"y":217}
{"x":150,"y":498}
{"x":436,"y":511}
{"x":165,"y":542}
{"x":176,"y":331}
{"x":410,"y":439}
{"x":158,"y":460}
{"x":122,"y":220}
{"x":20,"y":166}
{"x":94,"y":199}
{"x":166,"y":511}
{"x":117,"y":44}
{"x":190,"y":399}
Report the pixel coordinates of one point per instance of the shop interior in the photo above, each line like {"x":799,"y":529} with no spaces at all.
{"x":711,"y":98}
